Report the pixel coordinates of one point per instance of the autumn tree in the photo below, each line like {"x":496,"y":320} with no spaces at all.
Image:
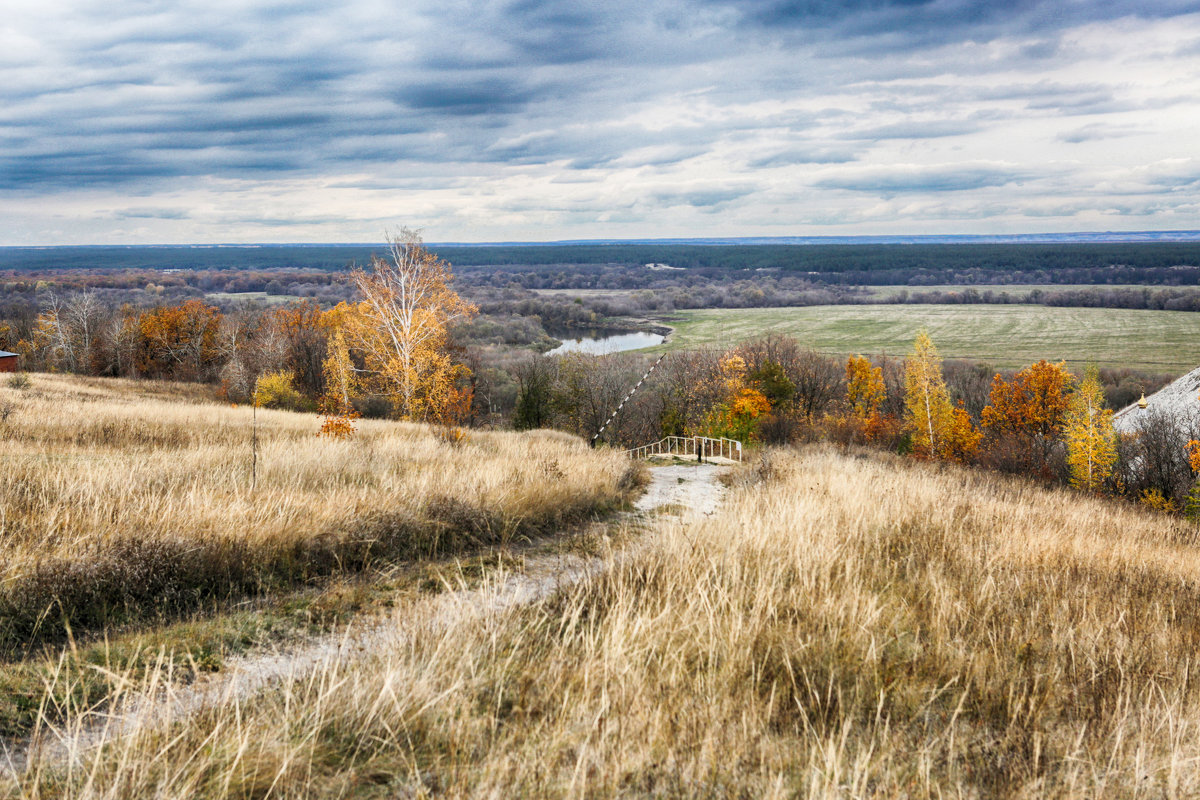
{"x":794,"y":379}
{"x":275,"y":390}
{"x":1023,"y":420}
{"x":340,"y":378}
{"x":1192,"y":505}
{"x":179,"y":342}
{"x":938,"y":429}
{"x":865,"y":395}
{"x":865,"y":391}
{"x":341,"y":388}
{"x":743,"y":406}
{"x":689,"y":384}
{"x":1091,"y":441}
{"x":401,"y":328}
{"x":120,"y":337}
{"x":305,"y":336}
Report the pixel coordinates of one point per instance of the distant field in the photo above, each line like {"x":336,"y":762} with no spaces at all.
{"x":250,"y":297}
{"x":1013,"y":289}
{"x":1004,"y":336}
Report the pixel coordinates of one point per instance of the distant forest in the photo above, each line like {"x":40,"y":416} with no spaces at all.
{"x":1170,"y":264}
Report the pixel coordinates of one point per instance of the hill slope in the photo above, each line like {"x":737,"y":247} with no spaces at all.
{"x":844,"y":626}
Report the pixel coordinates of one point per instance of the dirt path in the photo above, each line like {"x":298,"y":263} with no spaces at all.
{"x":683,"y":491}
{"x":692,"y":487}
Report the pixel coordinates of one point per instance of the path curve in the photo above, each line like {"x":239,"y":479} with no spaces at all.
{"x":685,"y":491}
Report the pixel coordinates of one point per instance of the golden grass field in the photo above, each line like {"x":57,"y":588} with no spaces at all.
{"x":123,"y":500}
{"x":848,"y":625}
{"x":1006,"y":336}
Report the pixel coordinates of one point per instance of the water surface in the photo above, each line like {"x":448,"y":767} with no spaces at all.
{"x":602,"y":342}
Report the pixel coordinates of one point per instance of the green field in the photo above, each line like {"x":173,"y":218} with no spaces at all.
{"x":1013,"y":289}
{"x":1001,"y":335}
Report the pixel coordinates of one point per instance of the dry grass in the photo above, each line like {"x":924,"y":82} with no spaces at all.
{"x":846,"y":627}
{"x":122,"y":499}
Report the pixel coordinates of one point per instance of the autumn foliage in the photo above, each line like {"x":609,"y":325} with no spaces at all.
{"x":1193,"y":451}
{"x":179,"y":342}
{"x":1024,"y":417}
{"x":938,"y":429}
{"x":1091,"y":441}
{"x":865,"y":391}
{"x":865,"y":394}
{"x":742,"y":406}
{"x":400,"y":330}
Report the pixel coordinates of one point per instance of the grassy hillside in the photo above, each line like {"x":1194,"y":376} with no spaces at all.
{"x":845,"y":627}
{"x":1003,"y":336}
{"x":123,"y":500}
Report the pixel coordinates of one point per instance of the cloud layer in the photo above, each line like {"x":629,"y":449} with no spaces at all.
{"x":188,"y":121}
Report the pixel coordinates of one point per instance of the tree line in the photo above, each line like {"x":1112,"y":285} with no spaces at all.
{"x":392,"y":347}
{"x":1042,"y":421}
{"x":393,"y":351}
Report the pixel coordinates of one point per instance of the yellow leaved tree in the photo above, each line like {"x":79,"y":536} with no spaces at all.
{"x":1091,"y":440}
{"x":865,"y":391}
{"x":399,"y":333}
{"x":741,"y":410}
{"x":937,"y":428}
{"x":341,"y":387}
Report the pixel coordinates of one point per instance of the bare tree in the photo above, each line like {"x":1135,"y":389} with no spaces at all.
{"x":815,"y":378}
{"x":67,"y":328}
{"x":1155,"y":456}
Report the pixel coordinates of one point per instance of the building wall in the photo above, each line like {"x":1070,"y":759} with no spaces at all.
{"x":8,"y":364}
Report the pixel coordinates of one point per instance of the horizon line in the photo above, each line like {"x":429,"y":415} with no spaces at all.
{"x":1080,"y":237}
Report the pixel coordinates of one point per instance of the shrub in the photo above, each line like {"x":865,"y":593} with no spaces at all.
{"x":340,"y":426}
{"x":275,"y":390}
{"x":1154,"y":500}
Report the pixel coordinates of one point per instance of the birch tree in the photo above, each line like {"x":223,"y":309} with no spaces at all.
{"x":401,"y":327}
{"x":927,"y":408}
{"x":1091,"y":441}
{"x":66,"y":329}
{"x":938,"y":428}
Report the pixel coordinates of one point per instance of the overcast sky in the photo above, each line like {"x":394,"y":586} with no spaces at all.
{"x":148,"y":121}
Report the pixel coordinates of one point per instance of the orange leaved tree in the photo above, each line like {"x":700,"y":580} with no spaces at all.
{"x":400,"y":330}
{"x":865,"y":391}
{"x":179,"y":342}
{"x":740,"y":412}
{"x":1024,"y":417}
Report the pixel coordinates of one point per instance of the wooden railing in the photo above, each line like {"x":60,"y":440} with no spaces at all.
{"x":699,"y":447}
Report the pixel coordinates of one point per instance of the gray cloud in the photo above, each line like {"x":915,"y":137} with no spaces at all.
{"x":902,"y":180}
{"x":1097,"y":131}
{"x":151,"y":213}
{"x":801,"y":155}
{"x":916,"y":129}
{"x":914,"y":23}
{"x":702,"y":198}
{"x":456,"y":97}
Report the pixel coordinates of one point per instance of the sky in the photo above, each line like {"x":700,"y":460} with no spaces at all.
{"x":204,"y":121}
